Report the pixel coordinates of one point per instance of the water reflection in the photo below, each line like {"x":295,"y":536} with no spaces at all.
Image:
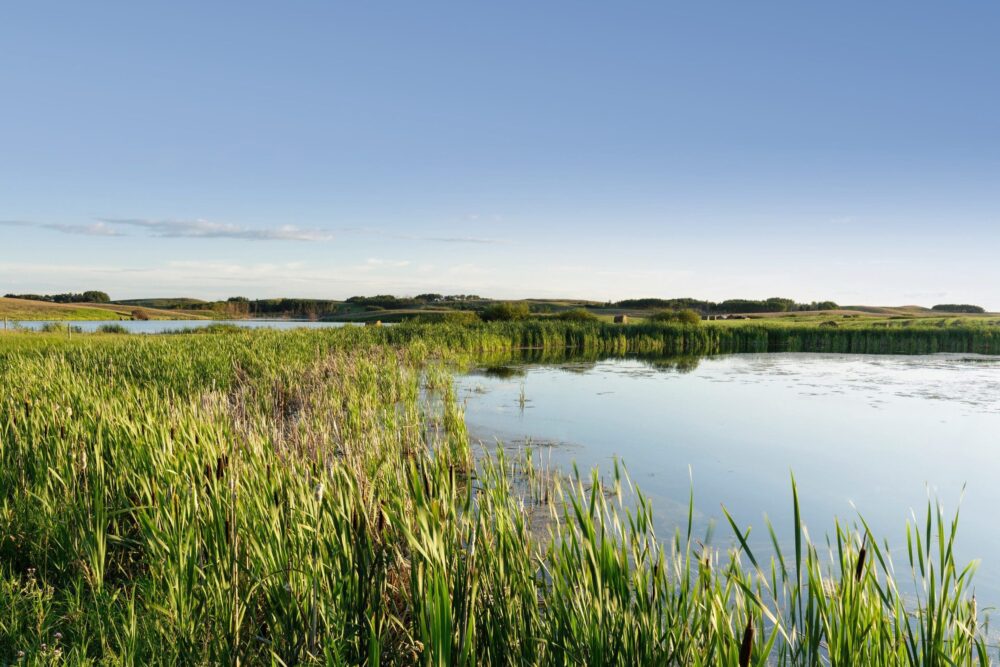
{"x":875,"y":434}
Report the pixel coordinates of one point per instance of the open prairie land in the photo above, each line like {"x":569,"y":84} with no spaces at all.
{"x":23,"y":309}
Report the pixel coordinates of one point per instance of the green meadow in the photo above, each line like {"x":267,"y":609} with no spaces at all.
{"x":313,"y":497}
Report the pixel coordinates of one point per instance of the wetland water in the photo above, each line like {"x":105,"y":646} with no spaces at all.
{"x":875,"y":433}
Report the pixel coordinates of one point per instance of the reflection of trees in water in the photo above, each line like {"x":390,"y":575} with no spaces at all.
{"x":504,"y":372}
{"x":685,"y":364}
{"x":540,"y":356}
{"x":515,"y":365}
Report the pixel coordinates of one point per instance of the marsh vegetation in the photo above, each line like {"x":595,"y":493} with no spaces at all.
{"x":262,"y":497}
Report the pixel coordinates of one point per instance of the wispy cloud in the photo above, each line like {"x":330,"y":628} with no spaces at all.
{"x":208,"y":229}
{"x":99,"y":228}
{"x":205,"y":229}
{"x":221,"y":230}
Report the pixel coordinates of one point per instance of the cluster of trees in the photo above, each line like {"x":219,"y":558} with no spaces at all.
{"x":92,"y":296}
{"x":505,"y":311}
{"x":577,"y":315}
{"x":446,"y":298}
{"x":958,"y":308}
{"x":390,"y":302}
{"x":730,"y":306}
{"x":386,"y":301}
{"x":683,"y":316}
{"x":239,"y":306}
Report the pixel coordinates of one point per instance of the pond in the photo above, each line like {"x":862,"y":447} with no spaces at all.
{"x":161,"y":326}
{"x":877,"y":435}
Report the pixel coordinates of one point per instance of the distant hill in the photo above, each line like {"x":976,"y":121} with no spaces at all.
{"x":436,"y":307}
{"x":24,"y":309}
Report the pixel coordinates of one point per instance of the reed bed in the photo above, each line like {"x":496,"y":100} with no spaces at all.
{"x":259,"y":497}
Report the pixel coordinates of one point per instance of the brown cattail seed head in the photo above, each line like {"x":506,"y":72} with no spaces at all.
{"x":747,"y":646}
{"x":860,"y":569}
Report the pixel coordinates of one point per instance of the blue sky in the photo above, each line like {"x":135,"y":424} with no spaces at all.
{"x":846,"y":151}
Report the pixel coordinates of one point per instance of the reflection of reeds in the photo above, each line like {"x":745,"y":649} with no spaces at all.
{"x":264,"y":497}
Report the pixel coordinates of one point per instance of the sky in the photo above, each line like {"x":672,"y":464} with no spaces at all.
{"x":605,"y":150}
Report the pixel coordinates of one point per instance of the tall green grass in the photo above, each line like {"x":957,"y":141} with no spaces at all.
{"x":259,"y":497}
{"x":680,"y":339}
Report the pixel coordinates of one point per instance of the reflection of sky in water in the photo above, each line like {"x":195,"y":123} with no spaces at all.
{"x":876,"y":433}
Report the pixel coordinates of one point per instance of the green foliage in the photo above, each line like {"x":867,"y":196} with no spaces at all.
{"x":92,"y":296}
{"x":730,"y":306}
{"x":508,"y":311}
{"x":310,"y":497}
{"x":685,"y":316}
{"x":60,"y":327}
{"x":112,"y":329}
{"x":577,"y":315}
{"x":959,"y":308}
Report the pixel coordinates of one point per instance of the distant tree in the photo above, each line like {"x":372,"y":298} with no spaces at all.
{"x":958,"y":308}
{"x":778,"y":305}
{"x":577,"y":315}
{"x":237,"y":306}
{"x":825,"y":305}
{"x":688,"y":316}
{"x":29,"y":297}
{"x":645,"y":303}
{"x":729,"y":306}
{"x":385,"y":301}
{"x":505,"y":312}
{"x":684,"y":316}
{"x":68,"y":297}
{"x":94,"y":296}
{"x":139,"y":314}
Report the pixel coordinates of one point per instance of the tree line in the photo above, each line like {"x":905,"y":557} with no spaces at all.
{"x":958,"y":308}
{"x":772,"y":305}
{"x":92,"y":296}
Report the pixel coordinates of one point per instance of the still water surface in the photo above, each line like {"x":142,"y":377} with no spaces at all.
{"x":869,"y":434}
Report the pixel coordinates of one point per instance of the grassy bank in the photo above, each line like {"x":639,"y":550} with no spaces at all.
{"x":15,"y":310}
{"x":257,"y":497}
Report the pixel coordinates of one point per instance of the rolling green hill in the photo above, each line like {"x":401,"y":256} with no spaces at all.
{"x":23,"y":310}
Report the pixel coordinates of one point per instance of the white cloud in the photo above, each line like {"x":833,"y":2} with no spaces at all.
{"x":96,"y":229}
{"x":223,"y":230}
{"x":208,"y":229}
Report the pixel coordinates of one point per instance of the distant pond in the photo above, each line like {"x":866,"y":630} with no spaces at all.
{"x":875,"y":433}
{"x":161,"y":326}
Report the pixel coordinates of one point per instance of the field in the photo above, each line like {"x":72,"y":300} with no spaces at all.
{"x":22,"y":310}
{"x":851,"y":317}
{"x":867,"y":316}
{"x":312,"y":497}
